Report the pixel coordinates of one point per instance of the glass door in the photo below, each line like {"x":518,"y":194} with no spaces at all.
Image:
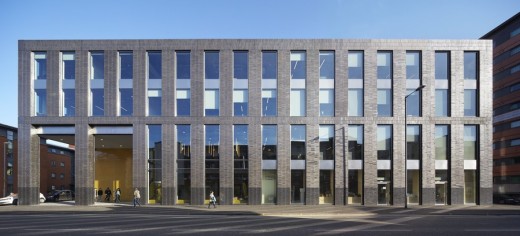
{"x":440,"y":193}
{"x":383,"y":193}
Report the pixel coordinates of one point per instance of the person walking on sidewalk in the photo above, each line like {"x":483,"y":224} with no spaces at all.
{"x":137,"y":195}
{"x":118,"y":195}
{"x":212,"y":200}
{"x":108,"y":194}
{"x":100,"y":194}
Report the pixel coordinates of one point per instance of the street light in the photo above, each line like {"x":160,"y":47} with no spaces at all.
{"x":405,"y":147}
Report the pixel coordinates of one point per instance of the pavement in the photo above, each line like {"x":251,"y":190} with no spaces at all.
{"x":264,"y":210}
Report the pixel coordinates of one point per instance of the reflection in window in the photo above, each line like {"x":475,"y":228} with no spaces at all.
{"x":240,"y":65}
{"x":183,"y":142}
{"x":240,"y":102}
{"x":441,"y":142}
{"x":269,"y":142}
{"x":126,"y":66}
{"x":183,"y":163}
{"x":413,"y":65}
{"x":298,"y":65}
{"x":40,"y":103}
{"x":384,"y":142}
{"x":326,"y":65}
{"x":240,"y":142}
{"x":211,"y":102}
{"x":154,"y":102}
{"x":154,"y":162}
{"x":211,"y":65}
{"x":470,"y":65}
{"x":269,"y":102}
{"x":355,"y":102}
{"x":68,"y":65}
{"x":297,"y":106}
{"x":154,"y":65}
{"x":442,"y":65}
{"x":126,"y":98}
{"x":470,"y":186}
{"x":298,"y":142}
{"x":384,"y":65}
{"x":97,"y":65}
{"x":326,"y":102}
{"x":355,"y":142}
{"x":327,"y":186}
{"x":69,"y":102}
{"x":413,"y":105}
{"x":212,"y":142}
{"x":470,"y":102}
{"x":98,"y":102}
{"x":441,"y":102}
{"x":326,"y":136}
{"x":384,"y":102}
{"x":355,"y":64}
{"x":269,"y":64}
{"x":40,"y":65}
{"x":413,"y":142}
{"x":183,"y":103}
{"x":183,"y":64}
{"x":470,"y":142}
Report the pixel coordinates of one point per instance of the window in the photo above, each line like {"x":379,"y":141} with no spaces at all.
{"x":326,"y":136}
{"x":298,"y":151}
{"x":413,"y":142}
{"x":442,"y":65}
{"x":355,"y":142}
{"x":355,"y":64}
{"x":384,"y":102}
{"x":384,"y":65}
{"x":211,"y":65}
{"x":240,"y":102}
{"x":154,"y":102}
{"x":40,"y":65}
{"x":298,"y":65}
{"x":514,"y":32}
{"x":269,"y":64}
{"x":240,"y":67}
{"x":211,"y":102}
{"x":240,"y":142}
{"x":515,"y":124}
{"x":326,"y":65}
{"x":413,"y":104}
{"x":68,"y":65}
{"x":183,"y":142}
{"x":40,"y":103}
{"x":269,"y":102}
{"x":212,"y":142}
{"x":413,"y":65}
{"x":515,"y":69}
{"x":326,"y":102}
{"x":470,"y":65}
{"x":514,"y":50}
{"x":69,"y":100}
{"x":470,"y":142}
{"x":183,"y":65}
{"x":183,"y":102}
{"x":297,"y":106}
{"x":154,"y":161}
{"x":62,"y":164}
{"x":53,"y":175}
{"x":126,"y":67}
{"x":470,"y":102}
{"x":355,"y":102}
{"x":98,"y":102}
{"x":62,"y":176}
{"x":154,"y":65}
{"x":384,"y":142}
{"x":441,"y":103}
{"x":97,"y":65}
{"x":269,"y":142}
{"x":126,"y":99}
{"x":53,"y":163}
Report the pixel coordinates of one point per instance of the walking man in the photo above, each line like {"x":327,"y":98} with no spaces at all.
{"x":108,"y":194}
{"x":137,"y":195}
{"x":118,"y":195}
{"x":100,"y":194}
{"x":212,"y":200}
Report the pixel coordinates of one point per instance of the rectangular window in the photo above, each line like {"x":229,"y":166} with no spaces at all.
{"x":470,"y":142}
{"x":326,"y":187}
{"x":326,"y":136}
{"x":269,"y":142}
{"x":441,"y":142}
{"x":183,"y":103}
{"x":413,"y":142}
{"x":470,"y":102}
{"x":212,"y":142}
{"x":240,"y":64}
{"x":154,"y":102}
{"x":297,"y":106}
{"x":97,"y":65}
{"x":298,"y":65}
{"x":154,"y":65}
{"x":183,"y":64}
{"x":68,"y":65}
{"x":211,"y":65}
{"x":298,"y":142}
{"x":126,"y":65}
{"x":326,"y":102}
{"x":442,"y":65}
{"x":470,"y":65}
{"x":355,"y":142}
{"x":269,"y":186}
{"x":126,"y":102}
{"x":355,"y":102}
{"x":384,"y":142}
{"x":413,"y":65}
{"x":269,"y":102}
{"x":69,"y":102}
{"x":183,"y":134}
{"x":355,"y":64}
{"x":240,"y":143}
{"x":98,"y":102}
{"x":211,"y":102}
{"x":327,"y":65}
{"x":384,"y":102}
{"x":470,"y":186}
{"x":183,"y":143}
{"x":269,"y":64}
{"x":40,"y":65}
{"x":40,"y":102}
{"x":384,"y":65}
{"x":413,"y":103}
{"x":240,"y":102}
{"x":441,"y":103}
{"x":154,"y":162}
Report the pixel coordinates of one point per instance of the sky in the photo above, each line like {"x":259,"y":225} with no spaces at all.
{"x":249,"y":19}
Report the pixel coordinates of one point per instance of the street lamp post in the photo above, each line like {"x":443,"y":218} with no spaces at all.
{"x":406,"y":148}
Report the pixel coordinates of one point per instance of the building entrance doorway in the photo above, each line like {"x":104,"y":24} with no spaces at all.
{"x":383,"y":193}
{"x":440,"y":193}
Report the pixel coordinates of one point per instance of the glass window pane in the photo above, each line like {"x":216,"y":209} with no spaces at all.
{"x":297,"y":102}
{"x":355,"y":64}
{"x":355,"y":142}
{"x":413,"y":65}
{"x":183,"y":65}
{"x":240,"y":102}
{"x":269,"y":65}
{"x":298,"y":65}
{"x":470,"y":142}
{"x":126,"y":99}
{"x":413,"y":103}
{"x":384,"y":65}
{"x":470,"y":186}
{"x":40,"y":102}
{"x":269,"y":102}
{"x":183,"y":142}
{"x":240,"y":142}
{"x":98,"y":102}
{"x":69,"y":65}
{"x":269,"y":142}
{"x":326,"y":65}
{"x":441,"y":142}
{"x":326,"y":98}
{"x":470,"y":65}
{"x":212,"y":141}
{"x":298,"y":142}
{"x":154,"y":102}
{"x":384,"y":102}
{"x":413,"y":142}
{"x":384,"y":142}
{"x":40,"y":65}
{"x":470,"y":102}
{"x":326,"y":136}
{"x":211,"y":65}
{"x":240,"y":66}
{"x":355,"y":102}
{"x":183,"y":102}
{"x":442,"y":65}
{"x":154,"y":65}
{"x":211,"y":103}
{"x":97,"y":65}
{"x":441,"y":102}
{"x":126,"y":69}
{"x":69,"y":102}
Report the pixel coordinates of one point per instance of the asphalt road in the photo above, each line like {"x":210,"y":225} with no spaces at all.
{"x":174,"y":221}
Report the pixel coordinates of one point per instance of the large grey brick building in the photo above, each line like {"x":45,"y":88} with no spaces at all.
{"x":263,"y":121}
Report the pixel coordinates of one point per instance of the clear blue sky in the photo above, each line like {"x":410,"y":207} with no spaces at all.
{"x":169,"y":19}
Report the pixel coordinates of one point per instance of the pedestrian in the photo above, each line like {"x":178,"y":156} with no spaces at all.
{"x":137,"y":195}
{"x":108,"y":194}
{"x":118,"y":195}
{"x":100,"y":194}
{"x":212,"y":200}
